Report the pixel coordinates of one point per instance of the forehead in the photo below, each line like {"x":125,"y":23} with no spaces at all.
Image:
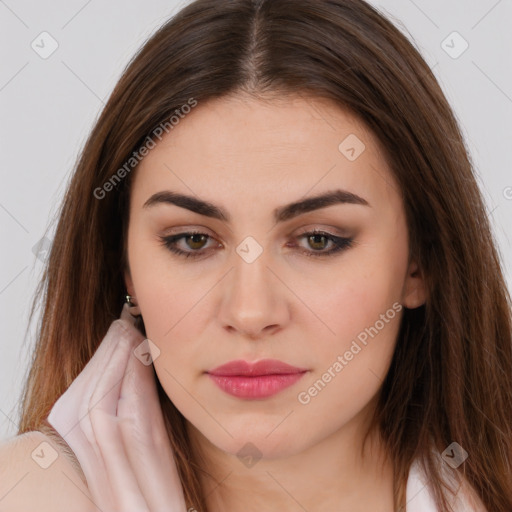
{"x":255,"y":149}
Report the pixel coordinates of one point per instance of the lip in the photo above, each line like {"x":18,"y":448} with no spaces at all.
{"x":255,"y":369}
{"x":255,"y":380}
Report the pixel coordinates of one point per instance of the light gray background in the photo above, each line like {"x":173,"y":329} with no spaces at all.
{"x":49,"y":105}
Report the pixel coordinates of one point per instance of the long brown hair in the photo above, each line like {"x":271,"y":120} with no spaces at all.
{"x":451,"y":375}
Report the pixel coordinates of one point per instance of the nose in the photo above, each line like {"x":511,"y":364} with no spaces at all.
{"x":254,"y":302}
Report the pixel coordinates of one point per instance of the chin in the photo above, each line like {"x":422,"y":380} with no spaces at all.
{"x":255,"y":442}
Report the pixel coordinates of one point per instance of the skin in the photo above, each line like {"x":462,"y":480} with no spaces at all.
{"x":249,"y":157}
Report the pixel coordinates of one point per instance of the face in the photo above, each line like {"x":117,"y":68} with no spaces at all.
{"x":319,"y":286}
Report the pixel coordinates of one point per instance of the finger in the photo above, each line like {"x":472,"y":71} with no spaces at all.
{"x":66,"y":411}
{"x":96,"y":365}
{"x":69,"y":417}
{"x":146,"y":440}
{"x":123,"y":485}
{"x":105,"y":430}
{"x":89,"y":375}
{"x":126,"y":315}
{"x":119,"y":330}
{"x":73,"y":404}
{"x":86,"y":381}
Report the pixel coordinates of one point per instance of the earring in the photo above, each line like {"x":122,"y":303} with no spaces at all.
{"x":132,"y":307}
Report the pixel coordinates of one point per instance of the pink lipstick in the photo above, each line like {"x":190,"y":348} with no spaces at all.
{"x":256,"y":380}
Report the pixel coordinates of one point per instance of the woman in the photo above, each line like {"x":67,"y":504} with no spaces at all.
{"x":317,"y":286}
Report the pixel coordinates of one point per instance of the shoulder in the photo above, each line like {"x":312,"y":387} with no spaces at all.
{"x":36,"y":474}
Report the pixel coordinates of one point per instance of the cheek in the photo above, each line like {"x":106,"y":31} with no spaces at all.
{"x":177,"y":366}
{"x":349,"y":368}
{"x":361,"y":311}
{"x":352,"y":297}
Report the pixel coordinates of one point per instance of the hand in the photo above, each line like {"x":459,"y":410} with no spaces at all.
{"x":111,"y":419}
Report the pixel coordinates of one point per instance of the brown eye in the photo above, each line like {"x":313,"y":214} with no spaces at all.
{"x":318,"y":241}
{"x":192,"y":246}
{"x":196,"y":240}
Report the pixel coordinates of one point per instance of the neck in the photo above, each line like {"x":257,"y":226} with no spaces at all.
{"x":335,"y":473}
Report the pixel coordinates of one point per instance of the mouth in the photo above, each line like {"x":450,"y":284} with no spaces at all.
{"x":257,"y":380}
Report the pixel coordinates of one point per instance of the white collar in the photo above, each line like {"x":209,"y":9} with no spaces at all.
{"x":419,"y":496}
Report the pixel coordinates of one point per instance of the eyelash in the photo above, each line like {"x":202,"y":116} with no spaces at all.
{"x":340,"y":244}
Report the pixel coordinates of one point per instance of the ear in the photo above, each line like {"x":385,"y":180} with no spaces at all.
{"x":414,"y":292}
{"x":128,"y":282}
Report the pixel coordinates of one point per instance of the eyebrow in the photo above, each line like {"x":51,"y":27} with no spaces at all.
{"x":281,"y":214}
